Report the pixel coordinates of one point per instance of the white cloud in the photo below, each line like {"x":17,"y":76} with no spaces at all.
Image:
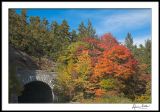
{"x":121,"y":21}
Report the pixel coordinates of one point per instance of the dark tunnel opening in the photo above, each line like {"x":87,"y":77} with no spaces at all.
{"x":36,"y":92}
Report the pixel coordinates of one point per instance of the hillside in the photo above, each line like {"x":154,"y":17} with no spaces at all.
{"x":21,"y":59}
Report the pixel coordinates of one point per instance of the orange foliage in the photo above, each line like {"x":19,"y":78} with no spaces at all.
{"x":106,"y":42}
{"x":108,"y":58}
{"x":99,"y":92}
{"x":118,"y":61}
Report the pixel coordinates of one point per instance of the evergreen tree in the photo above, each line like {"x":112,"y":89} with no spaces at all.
{"x":53,"y":41}
{"x":25,"y":31}
{"x":73,"y":36}
{"x":82,"y":31}
{"x":129,"y":41}
{"x":24,"y":17}
{"x":36,"y":47}
{"x":148,"y":55}
{"x":64,"y":30}
{"x":13,"y":27}
{"x":54,"y":27}
{"x":91,"y":32}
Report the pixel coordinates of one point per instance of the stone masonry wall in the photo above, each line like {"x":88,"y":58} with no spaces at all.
{"x":27,"y":76}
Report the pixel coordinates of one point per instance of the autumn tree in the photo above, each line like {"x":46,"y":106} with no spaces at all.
{"x":108,"y":41}
{"x":74,"y":71}
{"x":95,"y":49}
{"x":117,"y":63}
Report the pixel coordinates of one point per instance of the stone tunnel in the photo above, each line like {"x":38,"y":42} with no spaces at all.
{"x":36,"y":84}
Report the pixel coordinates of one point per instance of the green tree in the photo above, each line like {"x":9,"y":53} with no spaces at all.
{"x":54,"y":41}
{"x":58,"y":39}
{"x":24,"y":32}
{"x":19,"y":34}
{"x":148,"y":55}
{"x":24,"y":17}
{"x":82,"y":31}
{"x":15,"y":28}
{"x":88,"y":31}
{"x":64,"y":31}
{"x":129,"y":41}
{"x":54,"y":27}
{"x":73,"y":36}
{"x":36,"y":48}
{"x":13,"y":19}
{"x":44,"y":40}
{"x":91,"y":32}
{"x":143,"y":55}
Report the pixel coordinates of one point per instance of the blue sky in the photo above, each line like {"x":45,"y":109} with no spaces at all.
{"x":116,"y":21}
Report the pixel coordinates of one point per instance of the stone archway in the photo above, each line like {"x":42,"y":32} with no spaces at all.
{"x":26,"y":76}
{"x":36,"y":92}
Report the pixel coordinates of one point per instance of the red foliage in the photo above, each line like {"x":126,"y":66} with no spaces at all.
{"x":118,"y":62}
{"x":108,"y":41}
{"x":94,"y":50}
{"x":90,"y":40}
{"x":80,"y":49}
{"x":95,"y":43}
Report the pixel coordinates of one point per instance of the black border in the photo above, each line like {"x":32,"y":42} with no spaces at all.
{"x":76,"y":1}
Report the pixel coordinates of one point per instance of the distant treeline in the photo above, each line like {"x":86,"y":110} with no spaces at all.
{"x":39,"y":38}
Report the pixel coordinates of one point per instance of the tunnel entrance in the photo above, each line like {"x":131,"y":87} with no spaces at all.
{"x":36,"y":92}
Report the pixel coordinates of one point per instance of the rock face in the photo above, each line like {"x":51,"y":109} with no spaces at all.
{"x":17,"y":57}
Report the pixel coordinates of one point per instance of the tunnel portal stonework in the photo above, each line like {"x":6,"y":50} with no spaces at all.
{"x":27,"y":76}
